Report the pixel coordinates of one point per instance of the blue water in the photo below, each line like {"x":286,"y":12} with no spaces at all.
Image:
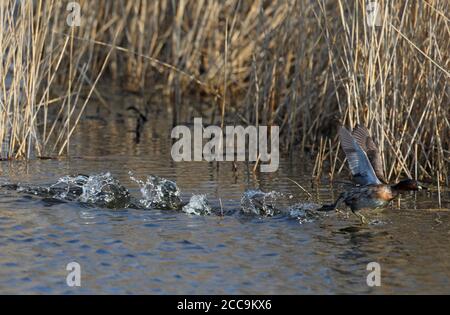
{"x":134,"y":251}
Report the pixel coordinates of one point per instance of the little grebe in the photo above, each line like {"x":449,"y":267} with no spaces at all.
{"x":364,"y":161}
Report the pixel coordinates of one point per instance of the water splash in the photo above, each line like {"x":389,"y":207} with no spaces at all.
{"x":158,"y":192}
{"x":198,"y":205}
{"x":377,"y":222}
{"x":105,"y":191}
{"x":261,"y":203}
{"x":101,"y":190}
{"x":276,"y":203}
{"x":305,"y":212}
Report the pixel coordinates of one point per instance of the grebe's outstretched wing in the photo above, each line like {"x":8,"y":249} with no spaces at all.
{"x":360,"y":166}
{"x":365,"y":141}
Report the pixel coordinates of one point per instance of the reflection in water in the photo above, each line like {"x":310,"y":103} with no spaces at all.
{"x":136,"y":250}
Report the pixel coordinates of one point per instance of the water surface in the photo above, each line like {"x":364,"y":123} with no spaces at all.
{"x":128,"y":250}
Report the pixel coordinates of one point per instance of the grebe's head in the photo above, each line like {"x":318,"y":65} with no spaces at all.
{"x":409,"y":184}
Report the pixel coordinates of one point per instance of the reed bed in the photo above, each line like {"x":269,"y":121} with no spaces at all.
{"x":307,"y":66}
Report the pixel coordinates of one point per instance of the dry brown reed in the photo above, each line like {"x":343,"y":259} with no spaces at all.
{"x":307,"y":66}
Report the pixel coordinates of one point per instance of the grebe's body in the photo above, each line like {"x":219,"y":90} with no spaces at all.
{"x":365,"y":164}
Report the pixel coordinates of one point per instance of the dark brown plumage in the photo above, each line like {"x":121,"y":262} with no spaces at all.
{"x":364,"y":161}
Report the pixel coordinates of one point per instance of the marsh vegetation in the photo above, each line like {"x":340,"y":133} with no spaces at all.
{"x":306,"y":66}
